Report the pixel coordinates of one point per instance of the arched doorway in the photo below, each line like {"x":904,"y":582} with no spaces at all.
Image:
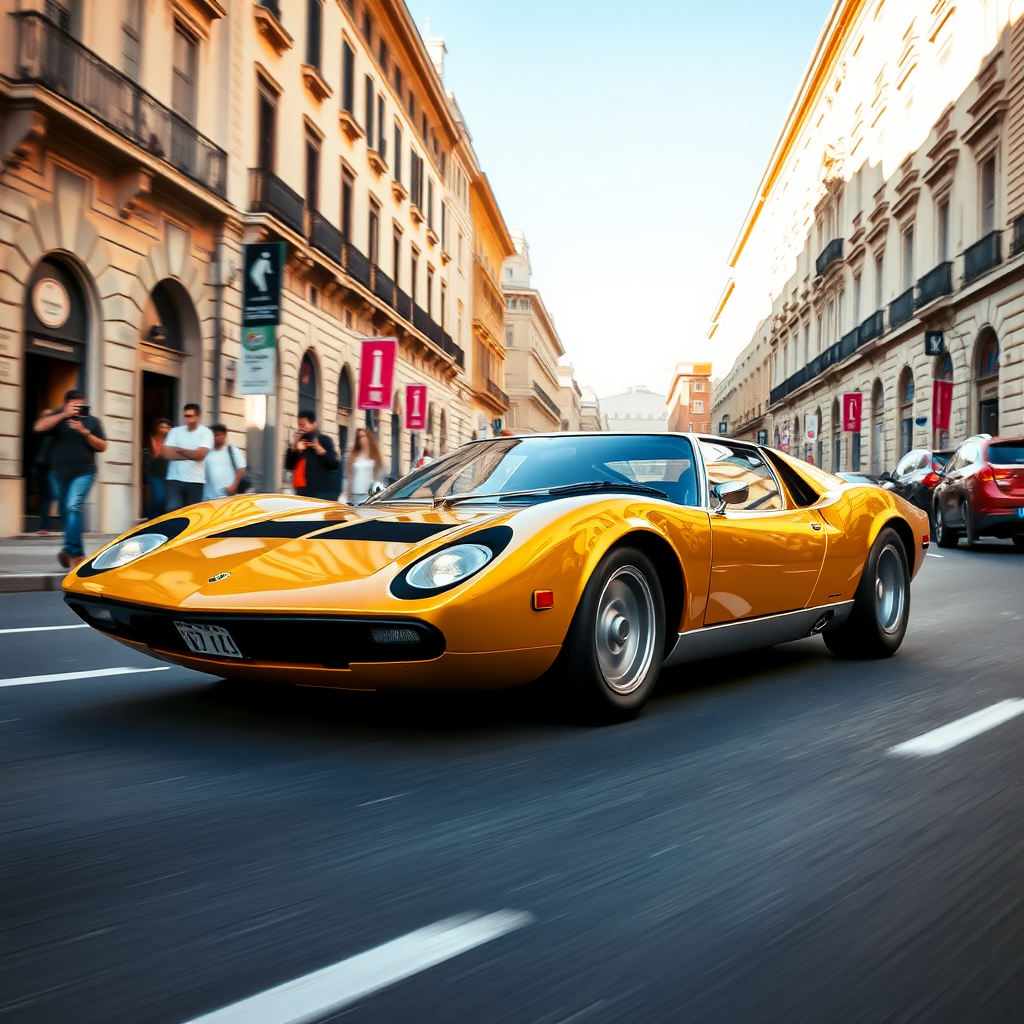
{"x":345,"y":392}
{"x":986,"y":382}
{"x":943,"y":371}
{"x":309,"y":394}
{"x":877,"y":428}
{"x":56,"y":348}
{"x":837,"y":439}
{"x":396,"y":437}
{"x":906,"y":394}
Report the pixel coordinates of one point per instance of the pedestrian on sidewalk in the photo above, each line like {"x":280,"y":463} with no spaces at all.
{"x":365,"y":466}
{"x":76,"y":438}
{"x":185,"y":449}
{"x":224,"y":465}
{"x":313,"y":463}
{"x":156,"y":468}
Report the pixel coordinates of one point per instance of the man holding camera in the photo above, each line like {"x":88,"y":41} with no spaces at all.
{"x":312,"y":460}
{"x":76,"y":438}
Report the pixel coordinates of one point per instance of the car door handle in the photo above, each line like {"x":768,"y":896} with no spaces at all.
{"x":815,"y":526}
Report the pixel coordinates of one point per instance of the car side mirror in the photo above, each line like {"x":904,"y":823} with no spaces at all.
{"x":375,"y":488}
{"x":886,"y":477}
{"x":733,"y":492}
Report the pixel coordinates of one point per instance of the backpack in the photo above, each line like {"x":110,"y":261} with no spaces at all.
{"x":245,"y":484}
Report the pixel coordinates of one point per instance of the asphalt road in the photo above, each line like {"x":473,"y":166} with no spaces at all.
{"x":747,"y":850}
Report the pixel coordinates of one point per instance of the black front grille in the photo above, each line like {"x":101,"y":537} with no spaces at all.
{"x":331,"y":641}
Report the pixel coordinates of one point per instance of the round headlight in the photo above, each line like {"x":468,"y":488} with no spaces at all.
{"x":128,"y":550}
{"x":446,"y":567}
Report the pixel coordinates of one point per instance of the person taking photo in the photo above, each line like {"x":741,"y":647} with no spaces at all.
{"x":312,"y":460}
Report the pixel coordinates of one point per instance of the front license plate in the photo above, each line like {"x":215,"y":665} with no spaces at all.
{"x":212,"y":640}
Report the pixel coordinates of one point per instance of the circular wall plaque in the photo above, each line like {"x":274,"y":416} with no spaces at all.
{"x":51,"y":303}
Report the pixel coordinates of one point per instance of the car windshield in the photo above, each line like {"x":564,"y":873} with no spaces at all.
{"x":515,"y":464}
{"x":1006,"y":453}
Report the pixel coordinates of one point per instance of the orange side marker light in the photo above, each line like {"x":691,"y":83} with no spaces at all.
{"x":543,"y":599}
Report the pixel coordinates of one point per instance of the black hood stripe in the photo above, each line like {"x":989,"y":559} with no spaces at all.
{"x":276,"y":529}
{"x":388,"y":531}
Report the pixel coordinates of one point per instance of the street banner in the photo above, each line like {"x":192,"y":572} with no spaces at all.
{"x":415,"y":406}
{"x":942,"y":403}
{"x":810,"y":429}
{"x":261,"y":284}
{"x":257,"y":371}
{"x":852,"y":401}
{"x":377,"y":372}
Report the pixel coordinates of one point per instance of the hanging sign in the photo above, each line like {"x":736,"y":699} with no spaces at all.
{"x":51,"y":303}
{"x":934,"y":343}
{"x":261,"y":283}
{"x":257,"y":371}
{"x":415,"y":406}
{"x":942,"y":403}
{"x":810,"y":428}
{"x":377,"y":372}
{"x":852,"y":403}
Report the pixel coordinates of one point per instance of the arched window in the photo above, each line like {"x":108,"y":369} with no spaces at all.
{"x":944,"y":371}
{"x":986,"y":385}
{"x":906,"y":411}
{"x":308,"y":397}
{"x":877,"y":428}
{"x":344,"y":414}
{"x":989,"y":363}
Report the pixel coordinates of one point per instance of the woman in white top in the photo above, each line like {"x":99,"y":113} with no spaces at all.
{"x":364,"y":467}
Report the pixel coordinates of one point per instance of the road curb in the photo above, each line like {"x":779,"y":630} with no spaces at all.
{"x":29,"y":582}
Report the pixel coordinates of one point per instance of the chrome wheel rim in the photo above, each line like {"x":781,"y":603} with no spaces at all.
{"x":890,"y":589}
{"x":938,"y":523}
{"x":625,"y":629}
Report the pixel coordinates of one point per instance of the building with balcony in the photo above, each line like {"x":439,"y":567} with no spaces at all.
{"x":891,"y":208}
{"x":591,"y":417}
{"x":144,"y":143}
{"x":532,"y":349}
{"x":689,"y":398}
{"x":570,"y":398}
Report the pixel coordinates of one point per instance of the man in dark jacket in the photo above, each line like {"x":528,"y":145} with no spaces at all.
{"x":77,"y":437}
{"x":312,"y":460}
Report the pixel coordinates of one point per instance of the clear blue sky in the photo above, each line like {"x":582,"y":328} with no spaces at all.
{"x":626,"y":140}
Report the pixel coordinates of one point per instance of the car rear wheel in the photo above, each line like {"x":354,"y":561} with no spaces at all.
{"x":944,"y":536}
{"x":613,"y":651}
{"x":969,"y":529}
{"x":881,"y":604}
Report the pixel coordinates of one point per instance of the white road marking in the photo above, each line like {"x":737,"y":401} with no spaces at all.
{"x":96,"y":673}
{"x":928,"y":554}
{"x":947,"y":736}
{"x":328,"y":990}
{"x":43,"y":629}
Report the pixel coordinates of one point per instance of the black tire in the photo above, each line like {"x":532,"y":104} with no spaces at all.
{"x":624,"y":587}
{"x":969,"y":531}
{"x":945,"y":536}
{"x":881,"y":604}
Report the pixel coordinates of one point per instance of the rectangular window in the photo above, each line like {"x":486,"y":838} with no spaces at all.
{"x":382,"y":56}
{"x":879,"y":280}
{"x":942,"y":231}
{"x":396,"y":157}
{"x":414,"y":267}
{"x":348,"y":184}
{"x":697,"y":406}
{"x":348,"y":77}
{"x":131,"y":29}
{"x":908,"y":258}
{"x":398,"y":80}
{"x":396,"y":253}
{"x":856,"y":300}
{"x":373,"y":235}
{"x":444,"y":226}
{"x":312,"y":171}
{"x":183,"y":87}
{"x":807,"y":344}
{"x":430,"y":292}
{"x":314,"y":24}
{"x":266,"y":115}
{"x":840,"y":316}
{"x":430,"y":203}
{"x":382,"y":141}
{"x":988,"y":196}
{"x":371,"y":107}
{"x":817,"y":341}
{"x":444,"y":302}
{"x":367,"y":27}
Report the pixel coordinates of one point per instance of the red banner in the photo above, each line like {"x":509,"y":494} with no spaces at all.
{"x":852,"y":401}
{"x":942,"y":403}
{"x":415,"y":406}
{"x":377,"y":372}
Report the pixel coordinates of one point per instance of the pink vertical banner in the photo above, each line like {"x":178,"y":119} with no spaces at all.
{"x":377,"y":372}
{"x":852,"y":404}
{"x":942,"y":403}
{"x":415,"y":406}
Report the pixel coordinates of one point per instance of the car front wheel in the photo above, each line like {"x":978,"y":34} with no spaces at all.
{"x":969,"y":528}
{"x":612,"y":654}
{"x":944,"y":536}
{"x":881,"y":604}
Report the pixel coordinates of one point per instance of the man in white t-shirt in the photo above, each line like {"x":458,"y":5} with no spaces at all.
{"x":185,"y":448}
{"x":224,"y":465}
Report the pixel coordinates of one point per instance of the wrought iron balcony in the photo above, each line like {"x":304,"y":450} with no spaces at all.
{"x":357,"y":265}
{"x":547,"y":400}
{"x":901,"y":309}
{"x":323,"y":235}
{"x":384,"y":287}
{"x":452,"y":349}
{"x":404,"y":305}
{"x":936,"y":283}
{"x":269,"y":194}
{"x":848,"y":344}
{"x":1017,"y":242}
{"x":981,"y":257}
{"x":873,"y":327}
{"x":495,"y":392}
{"x":832,"y":253}
{"x":420,"y":320}
{"x":54,"y":59}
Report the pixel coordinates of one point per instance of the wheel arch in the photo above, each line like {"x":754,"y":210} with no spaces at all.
{"x":906,"y":535}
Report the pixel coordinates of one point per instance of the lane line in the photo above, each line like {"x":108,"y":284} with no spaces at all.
{"x":948,"y":736}
{"x":96,"y":673}
{"x":928,"y":554}
{"x":328,"y":990}
{"x":43,"y":629}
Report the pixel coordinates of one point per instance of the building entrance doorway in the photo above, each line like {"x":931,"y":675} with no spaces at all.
{"x":159,"y":401}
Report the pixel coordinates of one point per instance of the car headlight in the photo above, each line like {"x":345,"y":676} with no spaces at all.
{"x":128,"y":550}
{"x":444,"y":568}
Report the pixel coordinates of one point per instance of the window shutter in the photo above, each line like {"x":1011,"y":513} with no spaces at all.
{"x":348,"y":77}
{"x":369,"y":112}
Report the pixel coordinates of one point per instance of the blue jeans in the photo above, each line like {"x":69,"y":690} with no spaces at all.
{"x":71,"y":496}
{"x":157,"y":492}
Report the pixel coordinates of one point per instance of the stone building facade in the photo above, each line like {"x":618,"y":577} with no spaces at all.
{"x":689,"y":398}
{"x":637,"y":410}
{"x":144,"y":142}
{"x":892,"y":208}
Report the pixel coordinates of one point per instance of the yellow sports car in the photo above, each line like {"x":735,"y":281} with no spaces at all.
{"x":589,"y":559}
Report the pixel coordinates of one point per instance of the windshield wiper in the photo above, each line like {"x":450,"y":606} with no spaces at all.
{"x":562,"y":490}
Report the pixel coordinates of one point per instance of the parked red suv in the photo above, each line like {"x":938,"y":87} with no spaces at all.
{"x":981,"y":492}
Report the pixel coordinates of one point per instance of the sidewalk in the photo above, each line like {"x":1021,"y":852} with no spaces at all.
{"x":29,"y":562}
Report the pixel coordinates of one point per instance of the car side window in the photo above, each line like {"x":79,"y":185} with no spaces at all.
{"x":726,"y":463}
{"x":969,"y":454}
{"x":905,"y":465}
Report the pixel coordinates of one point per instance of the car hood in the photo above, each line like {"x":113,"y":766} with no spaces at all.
{"x":276,"y":552}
